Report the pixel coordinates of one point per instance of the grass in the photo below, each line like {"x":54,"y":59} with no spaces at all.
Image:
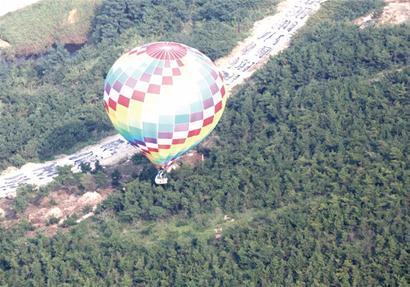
{"x":35,"y":28}
{"x":200,"y":226}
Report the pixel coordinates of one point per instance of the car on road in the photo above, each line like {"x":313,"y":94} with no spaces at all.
{"x":242,"y":64}
{"x":264,"y":35}
{"x":87,"y":159}
{"x":234,"y":61}
{"x":264,"y":51}
{"x":284,"y":24}
{"x":270,"y":36}
{"x":231,"y":80}
{"x":112,"y":144}
{"x":293,"y":25}
{"x":248,"y":48}
{"x":303,"y":16}
{"x":14,"y":177}
{"x":248,"y":66}
{"x":277,"y":40}
{"x":77,"y":156}
{"x":228,"y":77}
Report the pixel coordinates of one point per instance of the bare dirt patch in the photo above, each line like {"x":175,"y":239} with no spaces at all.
{"x":50,"y":213}
{"x":364,"y":20}
{"x":395,"y":12}
{"x":192,"y":158}
{"x":72,"y":16}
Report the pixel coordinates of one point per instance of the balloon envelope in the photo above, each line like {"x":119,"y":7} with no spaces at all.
{"x":164,"y":98}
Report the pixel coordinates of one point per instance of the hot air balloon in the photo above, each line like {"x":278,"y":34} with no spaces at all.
{"x":164,"y":98}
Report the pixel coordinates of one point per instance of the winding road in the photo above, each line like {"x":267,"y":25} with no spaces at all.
{"x":269,"y":36}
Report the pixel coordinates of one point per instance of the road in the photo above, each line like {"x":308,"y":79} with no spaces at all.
{"x":269,"y":36}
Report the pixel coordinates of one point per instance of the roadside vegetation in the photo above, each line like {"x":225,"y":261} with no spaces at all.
{"x":339,"y":11}
{"x":311,"y":158}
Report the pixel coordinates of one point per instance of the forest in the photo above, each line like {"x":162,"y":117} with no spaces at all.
{"x":311,"y":157}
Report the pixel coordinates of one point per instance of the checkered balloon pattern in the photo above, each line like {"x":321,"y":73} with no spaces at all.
{"x":164,"y":98}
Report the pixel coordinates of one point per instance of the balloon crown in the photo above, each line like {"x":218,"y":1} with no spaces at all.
{"x":166,"y":50}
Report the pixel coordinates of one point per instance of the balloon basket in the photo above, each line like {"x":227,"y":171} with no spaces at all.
{"x":161,"y":178}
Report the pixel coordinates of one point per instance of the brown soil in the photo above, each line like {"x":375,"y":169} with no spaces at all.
{"x":192,"y":158}
{"x":59,"y":206}
{"x":361,"y":21}
{"x":395,"y":12}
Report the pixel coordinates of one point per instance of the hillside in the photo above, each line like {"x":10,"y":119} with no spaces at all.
{"x":34,"y":29}
{"x":13,"y":6}
{"x":310,"y":159}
